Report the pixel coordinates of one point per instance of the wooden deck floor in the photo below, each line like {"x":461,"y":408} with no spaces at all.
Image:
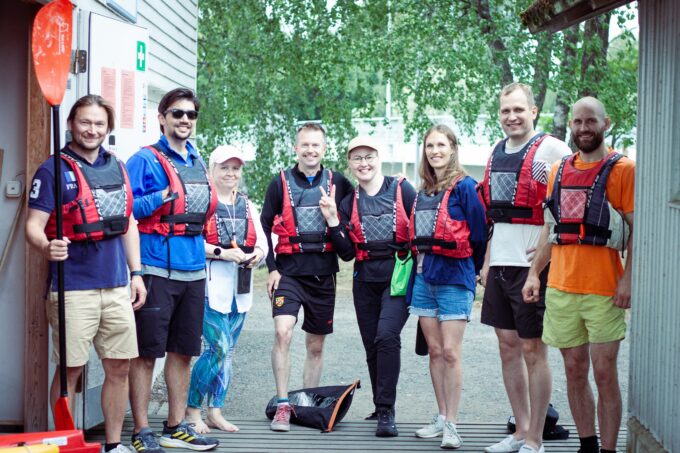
{"x":349,"y":436}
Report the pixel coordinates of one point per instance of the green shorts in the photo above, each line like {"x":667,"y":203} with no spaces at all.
{"x":576,"y":319}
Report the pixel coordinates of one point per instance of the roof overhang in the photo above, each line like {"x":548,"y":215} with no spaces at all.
{"x":556,"y":15}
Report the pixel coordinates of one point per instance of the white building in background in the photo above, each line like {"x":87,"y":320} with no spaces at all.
{"x":401,"y":154}
{"x":131,"y":52}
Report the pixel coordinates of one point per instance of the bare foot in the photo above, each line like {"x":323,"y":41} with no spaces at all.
{"x":193,"y":416}
{"x":216,"y":420}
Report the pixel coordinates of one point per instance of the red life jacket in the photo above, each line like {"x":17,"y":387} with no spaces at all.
{"x":301,"y":227}
{"x":379,"y":225}
{"x":102,"y":208}
{"x":232,"y":223}
{"x":195,"y":199}
{"x":432,"y":230}
{"x":511,"y":191}
{"x":580,"y":209}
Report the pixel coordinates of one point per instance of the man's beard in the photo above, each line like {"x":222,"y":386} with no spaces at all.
{"x":587,"y":148}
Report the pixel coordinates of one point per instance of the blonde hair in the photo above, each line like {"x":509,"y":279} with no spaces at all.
{"x":524,"y":88}
{"x":454,"y":170}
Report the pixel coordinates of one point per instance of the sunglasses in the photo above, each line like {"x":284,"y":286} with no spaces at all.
{"x":178,"y":114}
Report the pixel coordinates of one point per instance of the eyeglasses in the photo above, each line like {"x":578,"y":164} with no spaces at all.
{"x":357,"y":160}
{"x":178,"y":114}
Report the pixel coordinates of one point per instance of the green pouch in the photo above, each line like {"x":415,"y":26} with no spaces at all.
{"x":401,"y":274}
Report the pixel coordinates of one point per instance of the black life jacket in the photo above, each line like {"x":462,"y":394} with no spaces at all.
{"x":195,"y":202}
{"x":432,"y":230}
{"x":581,"y":213}
{"x":301,"y":227}
{"x":509,"y":190}
{"x":232,"y":225}
{"x":103,"y":206}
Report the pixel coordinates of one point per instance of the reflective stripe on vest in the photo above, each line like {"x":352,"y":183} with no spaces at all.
{"x":379,"y":224}
{"x":514,"y":186}
{"x":232,"y":223}
{"x":432,"y":230}
{"x":195,"y":199}
{"x":580,"y":211}
{"x":103,"y":206}
{"x":301,"y":227}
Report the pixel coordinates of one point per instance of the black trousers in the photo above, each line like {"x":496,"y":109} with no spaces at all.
{"x":381,"y":318}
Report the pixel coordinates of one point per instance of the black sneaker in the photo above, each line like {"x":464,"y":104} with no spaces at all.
{"x":386,"y":426}
{"x":372,"y":416}
{"x":184,"y":436}
{"x":145,"y":442}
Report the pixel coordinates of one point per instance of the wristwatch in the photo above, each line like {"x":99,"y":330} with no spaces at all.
{"x":217,"y":252}
{"x":135,"y":273}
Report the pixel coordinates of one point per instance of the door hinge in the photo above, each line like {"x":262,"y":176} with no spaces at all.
{"x":79,"y":61}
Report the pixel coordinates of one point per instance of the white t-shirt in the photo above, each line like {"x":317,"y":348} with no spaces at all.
{"x":510,"y":241}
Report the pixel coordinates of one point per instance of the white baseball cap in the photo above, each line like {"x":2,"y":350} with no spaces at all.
{"x":225,"y":152}
{"x":364,"y":141}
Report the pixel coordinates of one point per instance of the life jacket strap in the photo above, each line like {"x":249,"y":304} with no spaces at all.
{"x":511,"y":212}
{"x":578,"y":228}
{"x":431,"y":242}
{"x":183,"y":218}
{"x":309,"y":238}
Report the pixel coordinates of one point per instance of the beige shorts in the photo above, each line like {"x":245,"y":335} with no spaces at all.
{"x":100,"y":316}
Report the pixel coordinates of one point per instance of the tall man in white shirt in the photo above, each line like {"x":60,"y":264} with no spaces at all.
{"x":513,"y":189}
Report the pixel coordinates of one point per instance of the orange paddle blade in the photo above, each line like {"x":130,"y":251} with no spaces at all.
{"x":62,"y":415}
{"x":51,"y":48}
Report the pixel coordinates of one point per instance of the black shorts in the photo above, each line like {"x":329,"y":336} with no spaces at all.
{"x":171,"y":320}
{"x":315,"y":294}
{"x":503,"y":306}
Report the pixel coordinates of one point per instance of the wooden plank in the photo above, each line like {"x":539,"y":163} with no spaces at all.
{"x":352,"y":436}
{"x":36,"y":328}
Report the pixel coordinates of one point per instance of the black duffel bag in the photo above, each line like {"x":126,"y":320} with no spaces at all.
{"x":320,"y":407}
{"x":551,"y":430}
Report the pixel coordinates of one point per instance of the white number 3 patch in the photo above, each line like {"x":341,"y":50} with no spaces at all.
{"x":35,"y":189}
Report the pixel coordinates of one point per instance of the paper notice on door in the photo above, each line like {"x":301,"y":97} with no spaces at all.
{"x":127,"y":99}
{"x":108,"y":87}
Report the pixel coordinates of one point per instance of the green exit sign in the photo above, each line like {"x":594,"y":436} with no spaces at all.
{"x":141,"y":56}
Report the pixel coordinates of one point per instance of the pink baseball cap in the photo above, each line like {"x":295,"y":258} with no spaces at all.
{"x":225,"y":152}
{"x":363,"y":141}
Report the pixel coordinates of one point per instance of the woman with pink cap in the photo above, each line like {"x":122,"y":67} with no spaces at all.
{"x":234,"y":244}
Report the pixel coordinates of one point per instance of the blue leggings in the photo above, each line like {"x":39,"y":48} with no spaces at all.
{"x":212,"y":371}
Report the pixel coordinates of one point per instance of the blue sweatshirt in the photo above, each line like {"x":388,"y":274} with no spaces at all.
{"x":441,"y":270}
{"x":148,"y":179}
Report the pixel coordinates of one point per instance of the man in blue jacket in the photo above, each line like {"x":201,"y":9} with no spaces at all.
{"x":172,"y":199}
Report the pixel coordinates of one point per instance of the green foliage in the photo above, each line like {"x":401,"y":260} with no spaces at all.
{"x":265,"y":65}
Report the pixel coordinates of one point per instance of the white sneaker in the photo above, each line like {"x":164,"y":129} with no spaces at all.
{"x":120,"y":449}
{"x":451,"y":437}
{"x":507,"y":445}
{"x":527,"y":449}
{"x":434,"y":429}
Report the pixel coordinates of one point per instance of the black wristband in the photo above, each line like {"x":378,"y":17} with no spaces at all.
{"x":135,"y":273}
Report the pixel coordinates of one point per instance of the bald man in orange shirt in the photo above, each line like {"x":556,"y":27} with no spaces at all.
{"x":589,"y":223}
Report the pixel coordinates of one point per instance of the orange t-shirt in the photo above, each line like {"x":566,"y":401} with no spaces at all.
{"x":591,"y":269}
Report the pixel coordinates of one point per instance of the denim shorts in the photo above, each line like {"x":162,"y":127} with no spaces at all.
{"x":444,"y":302}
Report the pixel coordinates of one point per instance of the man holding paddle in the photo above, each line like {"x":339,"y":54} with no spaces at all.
{"x":99,"y":238}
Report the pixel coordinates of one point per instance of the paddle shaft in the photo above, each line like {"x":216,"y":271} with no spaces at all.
{"x":61,"y":304}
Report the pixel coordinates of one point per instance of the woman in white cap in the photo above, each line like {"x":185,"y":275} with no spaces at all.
{"x":372,"y":227}
{"x":234,"y":244}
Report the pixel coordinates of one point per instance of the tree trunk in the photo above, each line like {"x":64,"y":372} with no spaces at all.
{"x":594,"y":58}
{"x":496,"y":46}
{"x":542,"y":70}
{"x":566,"y":85}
